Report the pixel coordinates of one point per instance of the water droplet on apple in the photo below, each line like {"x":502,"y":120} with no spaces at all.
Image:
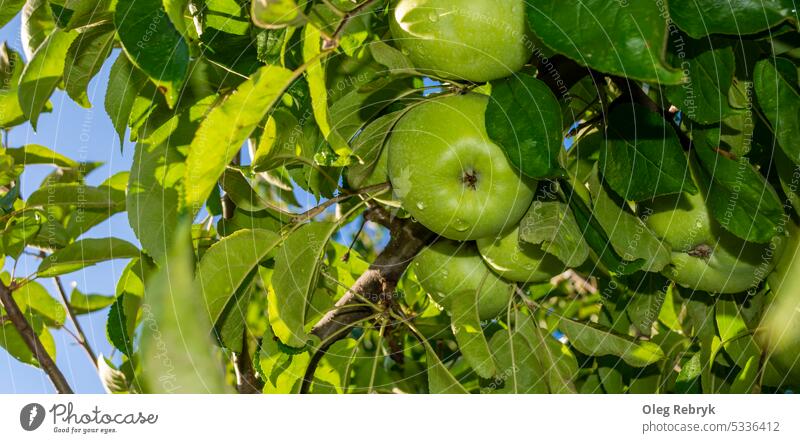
{"x":460,"y":225}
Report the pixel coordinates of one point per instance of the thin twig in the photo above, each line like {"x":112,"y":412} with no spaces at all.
{"x":81,"y":337}
{"x":32,"y":341}
{"x":317,"y":210}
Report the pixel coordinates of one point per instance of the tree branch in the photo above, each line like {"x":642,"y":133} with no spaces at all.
{"x":377,"y":285}
{"x":246,"y":380}
{"x":32,"y":341}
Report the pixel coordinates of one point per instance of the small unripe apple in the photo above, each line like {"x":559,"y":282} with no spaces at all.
{"x":450,"y":176}
{"x":518,"y":261}
{"x":475,"y":40}
{"x":448,"y":269}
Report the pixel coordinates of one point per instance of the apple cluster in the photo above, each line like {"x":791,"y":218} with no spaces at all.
{"x":452,"y":178}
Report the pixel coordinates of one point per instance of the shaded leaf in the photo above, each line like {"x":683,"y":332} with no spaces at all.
{"x":779,"y":98}
{"x":626,"y":39}
{"x":552,"y":225}
{"x":227,"y":264}
{"x":524,"y":118}
{"x":296,"y":269}
{"x":643,"y":157}
{"x":699,"y":18}
{"x":466,"y":326}
{"x":85,"y":57}
{"x":596,"y":340}
{"x":739,"y":197}
{"x":153,"y":44}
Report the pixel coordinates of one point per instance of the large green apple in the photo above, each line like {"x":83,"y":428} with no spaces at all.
{"x":475,"y":40}
{"x":705,"y":256}
{"x":450,"y":176}
{"x":517,"y":260}
{"x":448,"y":269}
{"x":779,"y":332}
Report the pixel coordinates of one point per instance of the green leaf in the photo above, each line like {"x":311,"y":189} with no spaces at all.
{"x":85,"y":303}
{"x":739,"y":197}
{"x":85,"y":57}
{"x":226,"y":265}
{"x":177,"y":354}
{"x":626,"y":39}
{"x":124,"y":83}
{"x":153,"y":196}
{"x":124,"y":313}
{"x":70,"y":194}
{"x":156,"y":179}
{"x":85,"y":253}
{"x":40,"y":155}
{"x":72,"y":14}
{"x":177,"y":11}
{"x":466,"y":326}
{"x":11,"y":67}
{"x":37,"y":24}
{"x":226,"y":128}
{"x":595,"y":340}
{"x":282,"y":373}
{"x":297,"y":265}
{"x":12,"y":342}
{"x":368,"y":148}
{"x":351,"y":112}
{"x":688,"y":380}
{"x":44,"y":72}
{"x":518,"y":367}
{"x":747,"y":377}
{"x":114,"y":188}
{"x":34,"y":300}
{"x":112,"y":379}
{"x":275,"y":14}
{"x":153,"y":44}
{"x":779,"y":98}
{"x":392,"y":58}
{"x":315,"y":76}
{"x":595,"y":235}
{"x":524,"y":118}
{"x":20,"y":231}
{"x":711,"y":65}
{"x":552,"y":225}
{"x":557,"y":361}
{"x":440,"y":379}
{"x":9,"y":9}
{"x":643,"y":157}
{"x":699,"y":18}
{"x":630,"y":237}
{"x":737,"y":338}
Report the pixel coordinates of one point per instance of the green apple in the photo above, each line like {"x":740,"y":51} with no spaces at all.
{"x":705,"y":256}
{"x":779,"y":332}
{"x":448,"y":269}
{"x":475,"y":40}
{"x":450,"y":176}
{"x":518,"y":261}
